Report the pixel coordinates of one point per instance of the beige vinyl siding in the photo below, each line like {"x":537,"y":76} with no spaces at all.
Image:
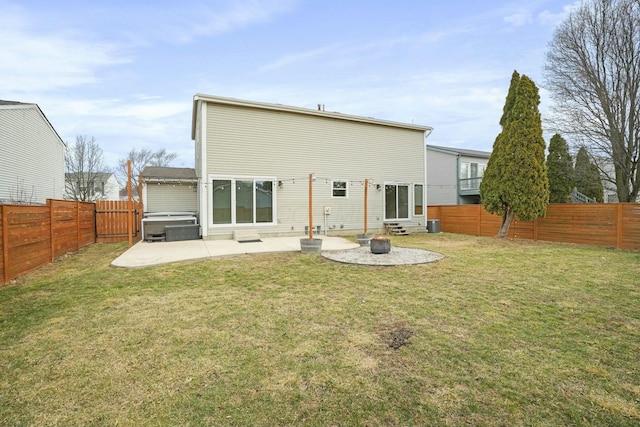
{"x":171,"y":198}
{"x":253,"y":142}
{"x":31,"y":156}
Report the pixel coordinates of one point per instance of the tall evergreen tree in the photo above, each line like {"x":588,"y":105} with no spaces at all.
{"x":587,"y":176}
{"x":515,"y":181}
{"x":559,"y":170}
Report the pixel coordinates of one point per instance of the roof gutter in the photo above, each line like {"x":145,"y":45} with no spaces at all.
{"x":170,"y":180}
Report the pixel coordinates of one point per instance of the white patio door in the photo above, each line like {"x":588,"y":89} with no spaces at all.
{"x":396,"y":201}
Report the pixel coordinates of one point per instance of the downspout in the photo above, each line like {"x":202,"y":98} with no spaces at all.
{"x":203,"y":179}
{"x":143,"y":186}
{"x":424,"y":188}
{"x":458,"y":199}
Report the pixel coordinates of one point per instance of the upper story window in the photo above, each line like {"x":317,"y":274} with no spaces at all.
{"x":470,"y":175}
{"x":339,"y":188}
{"x":472,"y":170}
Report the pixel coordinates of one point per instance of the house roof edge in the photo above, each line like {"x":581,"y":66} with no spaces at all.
{"x":298,"y":110}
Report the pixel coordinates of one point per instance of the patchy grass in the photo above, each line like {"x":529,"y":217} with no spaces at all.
{"x":498,"y":333}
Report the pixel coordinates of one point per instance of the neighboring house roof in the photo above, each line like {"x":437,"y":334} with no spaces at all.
{"x":13,"y":104}
{"x":167,"y":174}
{"x":461,"y":151}
{"x":296,"y":110}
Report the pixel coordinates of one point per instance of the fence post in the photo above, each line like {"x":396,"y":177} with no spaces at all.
{"x":619,"y":226}
{"x":5,"y":242}
{"x":479,"y":222}
{"x":535,"y":229}
{"x":95,"y":222}
{"x":77,"y":226}
{"x":51,"y":233}
{"x":129,"y":218}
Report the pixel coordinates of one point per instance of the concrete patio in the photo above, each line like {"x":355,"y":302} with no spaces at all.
{"x":144,"y":254}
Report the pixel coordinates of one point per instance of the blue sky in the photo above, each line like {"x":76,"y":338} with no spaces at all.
{"x":125,"y":72}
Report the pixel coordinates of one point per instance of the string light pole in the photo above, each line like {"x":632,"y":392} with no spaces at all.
{"x":310,"y":245}
{"x":129,"y":213}
{"x":366,"y":193}
{"x":365,"y":238}
{"x":310,"y":206}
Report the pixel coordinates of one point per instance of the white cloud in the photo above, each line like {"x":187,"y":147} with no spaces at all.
{"x":207,"y":21}
{"x":118,"y":108}
{"x":547,"y":17}
{"x":519,"y":19}
{"x":32,"y":62}
{"x":294,"y":58}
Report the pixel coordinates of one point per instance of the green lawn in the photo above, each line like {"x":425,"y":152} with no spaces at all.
{"x":498,"y":333}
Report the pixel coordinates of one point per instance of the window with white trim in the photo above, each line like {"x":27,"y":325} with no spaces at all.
{"x":418,"y":199}
{"x":339,"y":188}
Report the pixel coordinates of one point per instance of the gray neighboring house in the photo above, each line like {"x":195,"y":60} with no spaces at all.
{"x":166,"y":189}
{"x":253,"y":162}
{"x":31,"y":155}
{"x":105,"y":186}
{"x":454,"y":175}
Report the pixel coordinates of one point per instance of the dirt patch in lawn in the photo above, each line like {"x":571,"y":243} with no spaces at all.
{"x":396,"y":335}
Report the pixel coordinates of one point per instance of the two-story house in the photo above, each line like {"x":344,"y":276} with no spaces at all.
{"x":31,"y":155}
{"x":454,"y":175}
{"x":93,"y":186}
{"x":253,"y":162}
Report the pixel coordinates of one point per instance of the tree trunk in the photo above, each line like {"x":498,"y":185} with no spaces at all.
{"x":507,"y":218}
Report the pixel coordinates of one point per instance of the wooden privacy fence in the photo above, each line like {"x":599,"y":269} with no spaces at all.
{"x":33,"y":236}
{"x":112,"y":220}
{"x":610,"y":225}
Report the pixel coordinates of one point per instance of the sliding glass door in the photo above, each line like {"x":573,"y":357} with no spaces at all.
{"x":396,"y":201}
{"x":242,"y":201}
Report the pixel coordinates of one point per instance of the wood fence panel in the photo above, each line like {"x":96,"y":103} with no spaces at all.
{"x":3,"y":276}
{"x":630,"y":226}
{"x":433,"y":212}
{"x":112,"y":224}
{"x":608,"y":225}
{"x":460,"y":219}
{"x":28,"y":239}
{"x":519,"y":229}
{"x":32,"y":236}
{"x":87,"y":224}
{"x":65,"y":227}
{"x":489,"y":223}
{"x":587,"y":224}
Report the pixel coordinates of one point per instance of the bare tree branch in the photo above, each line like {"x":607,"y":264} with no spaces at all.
{"x":84,"y":164}
{"x":140,"y":159}
{"x":593,"y":74}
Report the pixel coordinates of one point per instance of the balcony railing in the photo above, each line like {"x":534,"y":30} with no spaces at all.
{"x":469,"y":186}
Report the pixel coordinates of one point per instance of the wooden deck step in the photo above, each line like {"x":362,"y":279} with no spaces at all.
{"x":395,"y":229}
